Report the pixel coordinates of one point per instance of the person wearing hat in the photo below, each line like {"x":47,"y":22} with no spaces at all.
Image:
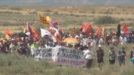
{"x":111,"y":55}
{"x":131,"y":53}
{"x":100,"y":55}
{"x":121,"y":56}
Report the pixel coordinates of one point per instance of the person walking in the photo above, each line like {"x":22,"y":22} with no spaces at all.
{"x":89,"y":53}
{"x":111,"y":55}
{"x":121,"y":56}
{"x":131,"y":53}
{"x":100,"y":55}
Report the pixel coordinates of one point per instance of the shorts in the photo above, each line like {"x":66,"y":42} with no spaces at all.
{"x":121,"y":62}
{"x":100,"y":60}
{"x":112,"y":62}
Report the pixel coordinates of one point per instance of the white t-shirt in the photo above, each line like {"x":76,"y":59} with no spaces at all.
{"x":88,"y":54}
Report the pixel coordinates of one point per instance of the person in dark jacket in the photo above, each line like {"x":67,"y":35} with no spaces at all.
{"x":100,"y":55}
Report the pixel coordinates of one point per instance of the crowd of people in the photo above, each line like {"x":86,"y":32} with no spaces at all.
{"x":86,"y":44}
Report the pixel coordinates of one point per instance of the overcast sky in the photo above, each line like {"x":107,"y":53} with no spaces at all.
{"x":63,"y":2}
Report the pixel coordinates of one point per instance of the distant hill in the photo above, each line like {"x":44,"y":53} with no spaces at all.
{"x":64,"y":2}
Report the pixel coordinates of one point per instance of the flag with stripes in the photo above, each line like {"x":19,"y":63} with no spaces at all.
{"x":43,"y":20}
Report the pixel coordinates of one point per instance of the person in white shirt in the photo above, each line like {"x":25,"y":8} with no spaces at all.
{"x":89,"y":53}
{"x":122,"y":40}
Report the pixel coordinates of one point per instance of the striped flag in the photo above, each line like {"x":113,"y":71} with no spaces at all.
{"x":43,"y":20}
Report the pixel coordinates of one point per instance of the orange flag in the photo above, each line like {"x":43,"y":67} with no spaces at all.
{"x":36,"y":34}
{"x":125,"y":28}
{"x":98,"y":31}
{"x":89,"y":30}
{"x":8,"y":32}
{"x":74,"y":31}
{"x":83,"y":28}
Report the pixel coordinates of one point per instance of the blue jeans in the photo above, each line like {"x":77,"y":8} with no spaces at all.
{"x":121,"y":62}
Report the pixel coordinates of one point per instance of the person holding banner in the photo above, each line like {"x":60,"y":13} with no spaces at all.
{"x":89,"y":53}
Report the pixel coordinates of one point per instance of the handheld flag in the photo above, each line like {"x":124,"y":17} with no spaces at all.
{"x":98,"y":32}
{"x":74,"y":31}
{"x":43,"y":20}
{"x":89,"y":30}
{"x":8,"y":33}
{"x":125,"y":28}
{"x":29,"y":29}
{"x":46,"y":32}
{"x":36,"y":34}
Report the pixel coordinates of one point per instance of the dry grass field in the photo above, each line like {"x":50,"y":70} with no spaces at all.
{"x":14,"y":18}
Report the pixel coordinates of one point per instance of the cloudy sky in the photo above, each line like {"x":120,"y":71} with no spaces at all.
{"x":63,"y":2}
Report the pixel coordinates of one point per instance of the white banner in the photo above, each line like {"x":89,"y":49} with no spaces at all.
{"x":61,"y":56}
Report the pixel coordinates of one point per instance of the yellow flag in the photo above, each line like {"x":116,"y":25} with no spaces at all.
{"x":48,"y":18}
{"x":74,"y":30}
{"x":7,"y":36}
{"x":103,"y":30}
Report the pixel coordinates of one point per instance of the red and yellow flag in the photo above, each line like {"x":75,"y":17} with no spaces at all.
{"x":43,"y":20}
{"x":7,"y":33}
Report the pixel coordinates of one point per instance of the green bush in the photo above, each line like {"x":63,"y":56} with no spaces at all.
{"x":105,"y":20}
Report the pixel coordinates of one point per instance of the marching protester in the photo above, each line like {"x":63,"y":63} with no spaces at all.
{"x":1,"y":47}
{"x":89,"y":53}
{"x":33,"y":47}
{"x":21,"y":48}
{"x":100,"y":55}
{"x":84,"y":43}
{"x":131,"y":53}
{"x":111,"y":55}
{"x":7,"y":44}
{"x":121,"y":56}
